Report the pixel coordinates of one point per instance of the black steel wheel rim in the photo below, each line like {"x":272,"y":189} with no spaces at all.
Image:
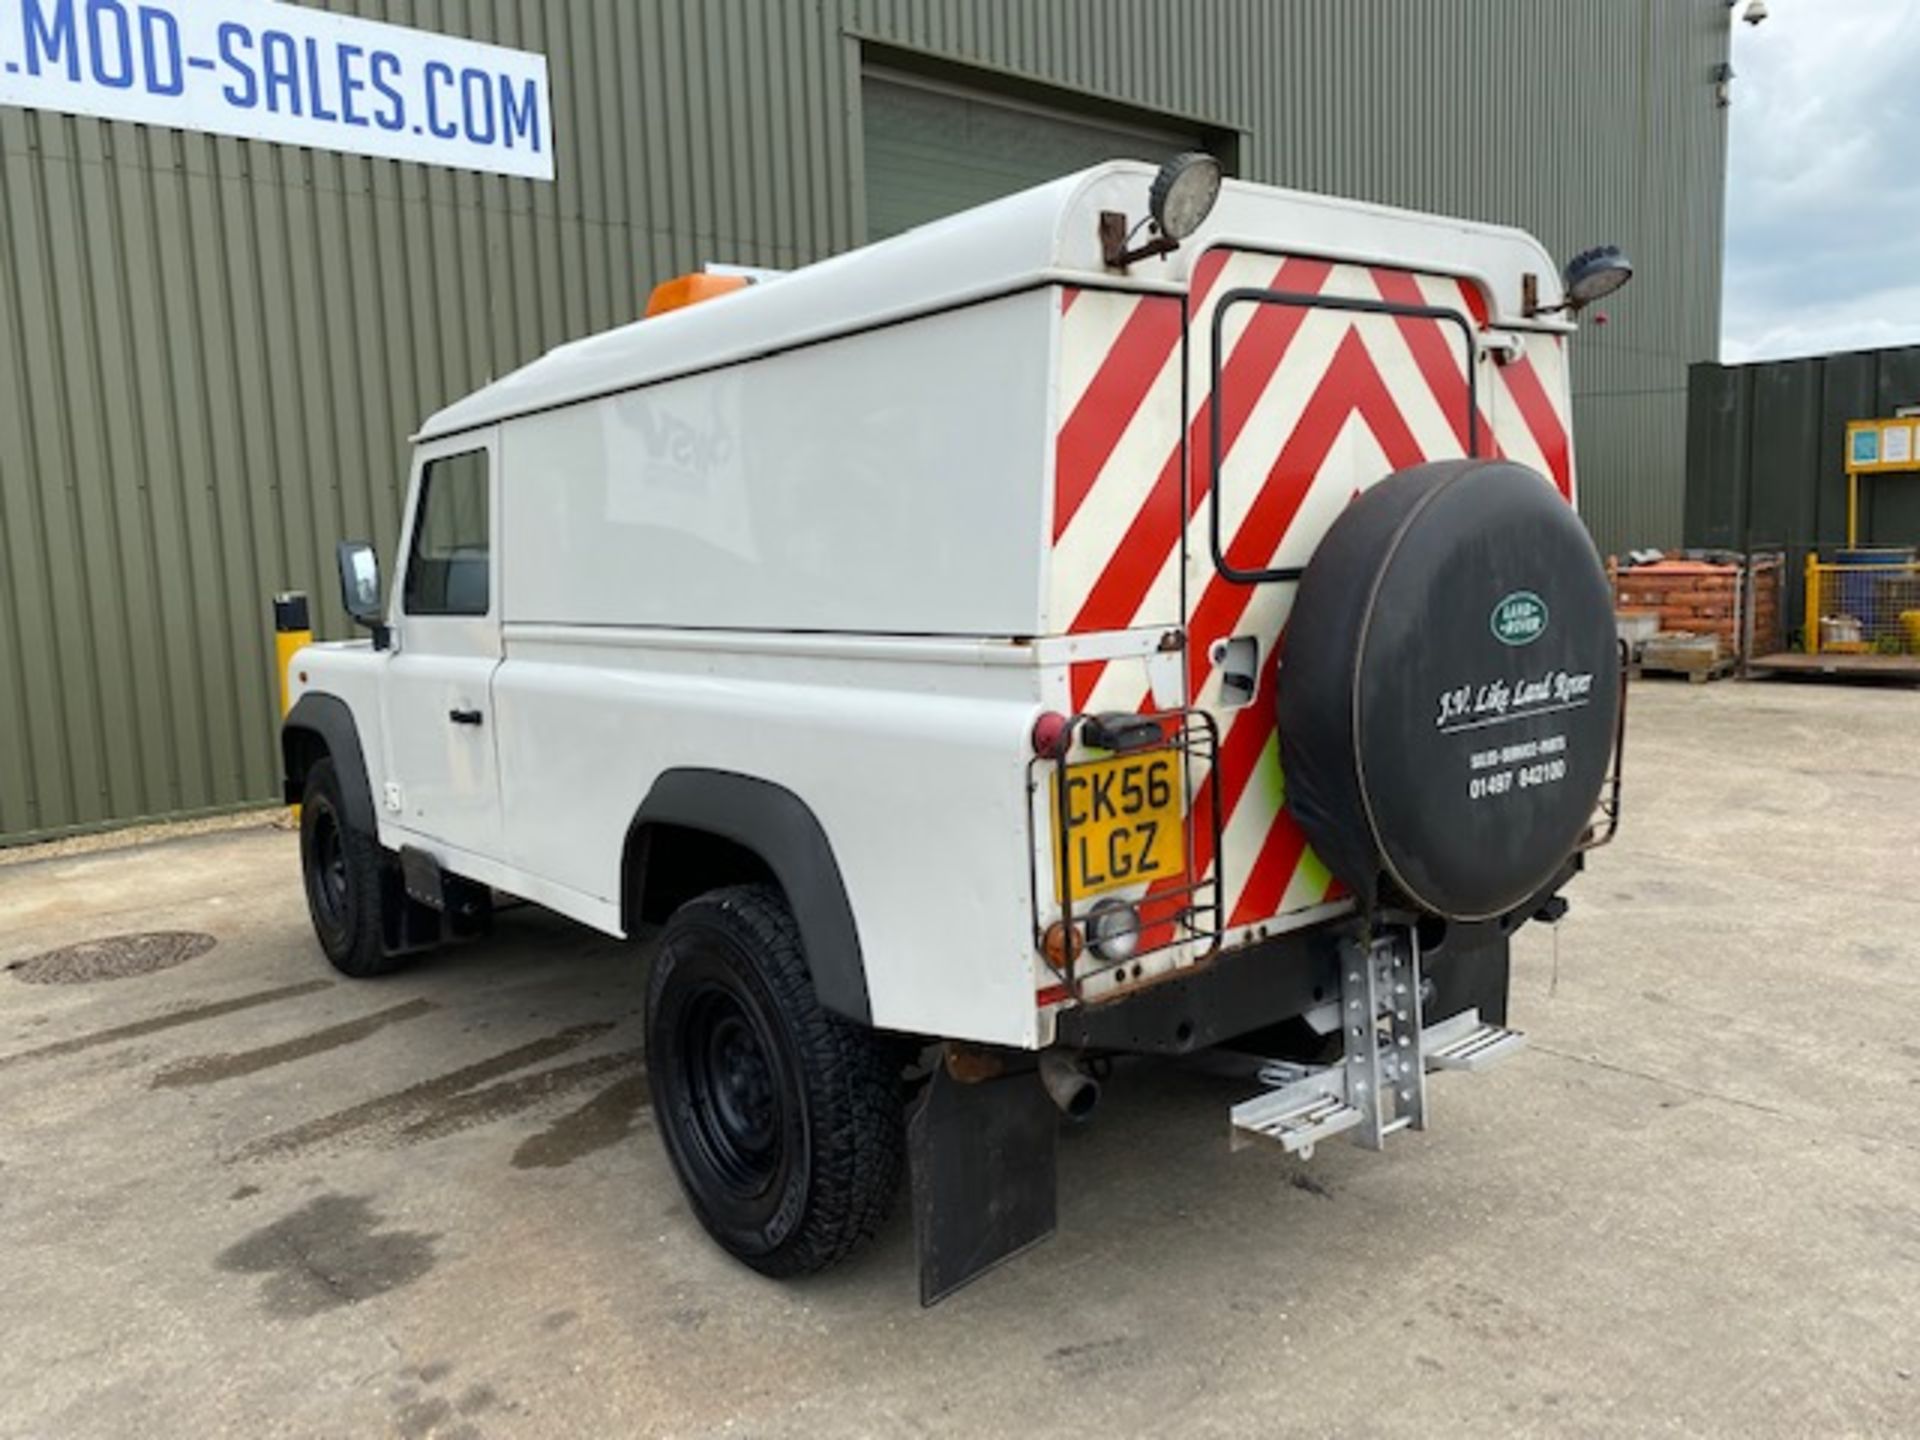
{"x":730,"y":1080}
{"x":327,"y":878}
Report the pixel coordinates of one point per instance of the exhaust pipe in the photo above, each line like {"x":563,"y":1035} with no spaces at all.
{"x":1069,"y":1086}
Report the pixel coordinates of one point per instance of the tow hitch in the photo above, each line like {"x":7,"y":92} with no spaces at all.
{"x":1380,"y":1085}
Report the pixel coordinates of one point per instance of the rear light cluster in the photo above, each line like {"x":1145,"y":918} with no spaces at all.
{"x":1117,"y":822}
{"x":1111,"y":932}
{"x":1063,"y":945}
{"x":1052,"y":735}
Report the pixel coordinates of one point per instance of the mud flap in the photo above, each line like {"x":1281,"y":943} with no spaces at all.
{"x":422,"y":906}
{"x":982,"y":1158}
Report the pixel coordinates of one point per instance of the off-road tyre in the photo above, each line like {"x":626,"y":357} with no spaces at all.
{"x":783,"y":1122}
{"x":344,"y":870}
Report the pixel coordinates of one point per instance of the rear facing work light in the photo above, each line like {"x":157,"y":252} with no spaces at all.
{"x":1178,"y":202}
{"x":1591,"y":275}
{"x":1595,"y":274}
{"x":1184,"y":193}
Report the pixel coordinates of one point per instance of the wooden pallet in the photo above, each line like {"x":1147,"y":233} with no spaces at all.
{"x":1719,"y":670}
{"x":1697,"y":658}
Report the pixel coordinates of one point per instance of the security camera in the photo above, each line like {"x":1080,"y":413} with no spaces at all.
{"x":1756,"y":12}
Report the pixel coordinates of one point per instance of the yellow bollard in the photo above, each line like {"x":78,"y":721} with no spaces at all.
{"x":292,"y":632}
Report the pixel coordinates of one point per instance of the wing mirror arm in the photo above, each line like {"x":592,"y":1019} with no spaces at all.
{"x":360,"y":590}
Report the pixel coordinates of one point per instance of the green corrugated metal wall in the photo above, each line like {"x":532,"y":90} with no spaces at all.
{"x":1766,"y":450}
{"x":211,"y":350}
{"x":1766,"y":445}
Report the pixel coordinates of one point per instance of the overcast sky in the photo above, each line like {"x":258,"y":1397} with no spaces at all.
{"x":1823,"y":200}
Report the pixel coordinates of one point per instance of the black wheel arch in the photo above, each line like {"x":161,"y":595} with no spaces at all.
{"x":700,"y":829}
{"x":319,"y":726}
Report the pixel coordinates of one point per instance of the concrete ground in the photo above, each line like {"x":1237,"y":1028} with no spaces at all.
{"x":240,"y":1196}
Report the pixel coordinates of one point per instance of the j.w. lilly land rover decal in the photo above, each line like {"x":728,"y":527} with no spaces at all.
{"x":1498,"y":702}
{"x":1519,"y":619}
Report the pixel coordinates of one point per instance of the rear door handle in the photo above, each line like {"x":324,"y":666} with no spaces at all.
{"x":465,"y":717}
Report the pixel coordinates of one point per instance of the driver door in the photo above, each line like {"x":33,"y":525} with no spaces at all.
{"x":442,"y":780}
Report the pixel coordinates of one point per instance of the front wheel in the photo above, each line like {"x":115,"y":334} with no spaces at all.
{"x":782,"y":1121}
{"x":343,"y":869}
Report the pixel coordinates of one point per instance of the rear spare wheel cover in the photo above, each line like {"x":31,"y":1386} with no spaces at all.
{"x":1449,"y":689}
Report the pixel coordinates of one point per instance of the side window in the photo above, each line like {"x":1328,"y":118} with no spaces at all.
{"x":447,"y":571}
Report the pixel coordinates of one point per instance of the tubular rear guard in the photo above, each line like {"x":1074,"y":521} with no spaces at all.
{"x":1177,"y":912}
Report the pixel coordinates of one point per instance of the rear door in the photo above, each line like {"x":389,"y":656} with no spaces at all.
{"x":443,"y":781}
{"x":1308,"y":381}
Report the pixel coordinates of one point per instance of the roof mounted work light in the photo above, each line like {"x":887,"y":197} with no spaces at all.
{"x":1178,"y":202}
{"x":1595,"y":274}
{"x":1591,"y":275}
{"x":1183,"y":194}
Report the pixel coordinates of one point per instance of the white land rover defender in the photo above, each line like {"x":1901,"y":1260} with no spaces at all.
{"x":1141,"y":615}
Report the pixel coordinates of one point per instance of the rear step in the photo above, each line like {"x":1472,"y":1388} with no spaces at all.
{"x":1380,"y":1085}
{"x":1464,"y":1043}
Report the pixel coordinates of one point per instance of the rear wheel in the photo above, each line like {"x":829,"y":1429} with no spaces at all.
{"x":782,"y":1121}
{"x":343,"y":869}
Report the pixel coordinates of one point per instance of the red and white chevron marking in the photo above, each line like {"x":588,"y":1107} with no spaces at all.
{"x":1316,"y":405}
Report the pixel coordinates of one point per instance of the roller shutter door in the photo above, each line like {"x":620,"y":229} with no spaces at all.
{"x":932,"y":149}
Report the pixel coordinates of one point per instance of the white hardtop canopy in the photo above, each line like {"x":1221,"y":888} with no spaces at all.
{"x":1046,"y":235}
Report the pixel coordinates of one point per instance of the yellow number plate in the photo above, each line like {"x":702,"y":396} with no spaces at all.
{"x":1124,"y":823}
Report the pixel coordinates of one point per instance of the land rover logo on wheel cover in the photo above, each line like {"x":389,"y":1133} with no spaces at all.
{"x":1519,"y":619}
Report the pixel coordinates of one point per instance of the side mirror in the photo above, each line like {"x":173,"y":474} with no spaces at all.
{"x":360,"y":587}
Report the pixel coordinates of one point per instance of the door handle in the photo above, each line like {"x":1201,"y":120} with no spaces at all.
{"x":465,"y":717}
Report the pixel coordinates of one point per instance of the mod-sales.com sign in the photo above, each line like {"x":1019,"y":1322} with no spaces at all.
{"x":284,"y":73}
